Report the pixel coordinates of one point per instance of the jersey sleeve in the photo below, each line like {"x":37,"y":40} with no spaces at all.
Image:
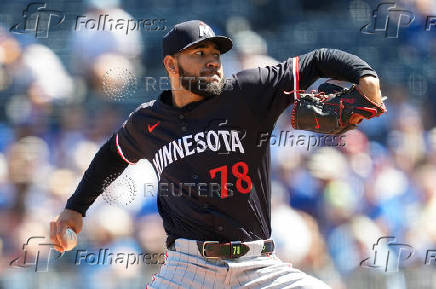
{"x":263,"y":88}
{"x":269,"y":90}
{"x":130,"y":138}
{"x":331,"y":63}
{"x":105,"y":167}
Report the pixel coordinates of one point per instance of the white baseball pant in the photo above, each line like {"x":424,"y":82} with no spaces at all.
{"x":186,"y":268}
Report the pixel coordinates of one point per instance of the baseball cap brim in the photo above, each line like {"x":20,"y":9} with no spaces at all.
{"x":224,"y":43}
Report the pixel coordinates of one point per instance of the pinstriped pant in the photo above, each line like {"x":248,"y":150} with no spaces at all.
{"x":186,"y":268}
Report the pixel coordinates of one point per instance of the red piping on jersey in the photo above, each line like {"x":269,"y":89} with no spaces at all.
{"x":297,"y":75}
{"x":120,"y":152}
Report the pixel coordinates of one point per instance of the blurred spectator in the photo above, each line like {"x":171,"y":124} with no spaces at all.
{"x":330,"y":204}
{"x":252,"y":50}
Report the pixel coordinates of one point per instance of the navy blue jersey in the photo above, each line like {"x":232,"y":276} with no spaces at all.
{"x":214,"y":174}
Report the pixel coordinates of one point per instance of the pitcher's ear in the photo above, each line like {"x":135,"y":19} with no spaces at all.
{"x":169,"y":63}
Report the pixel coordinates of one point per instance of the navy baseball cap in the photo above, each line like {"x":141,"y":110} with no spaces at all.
{"x":188,"y":33}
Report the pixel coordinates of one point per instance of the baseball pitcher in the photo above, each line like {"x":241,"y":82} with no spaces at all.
{"x":201,"y":138}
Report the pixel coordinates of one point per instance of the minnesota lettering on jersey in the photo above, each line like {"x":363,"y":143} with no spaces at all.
{"x":195,"y":144}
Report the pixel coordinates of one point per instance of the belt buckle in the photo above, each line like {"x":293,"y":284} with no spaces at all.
{"x":203,"y":248}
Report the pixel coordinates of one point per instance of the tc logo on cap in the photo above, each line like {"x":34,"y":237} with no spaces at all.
{"x":205,"y":30}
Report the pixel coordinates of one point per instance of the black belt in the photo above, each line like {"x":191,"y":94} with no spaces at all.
{"x":229,"y":250}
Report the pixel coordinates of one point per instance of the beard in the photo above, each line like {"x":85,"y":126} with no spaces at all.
{"x":200,"y":85}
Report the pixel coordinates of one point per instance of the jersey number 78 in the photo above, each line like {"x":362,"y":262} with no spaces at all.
{"x":241,"y":177}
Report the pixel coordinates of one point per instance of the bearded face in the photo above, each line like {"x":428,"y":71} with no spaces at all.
{"x":209,"y":83}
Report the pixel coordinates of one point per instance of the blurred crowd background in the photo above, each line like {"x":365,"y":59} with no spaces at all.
{"x":62,"y":96}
